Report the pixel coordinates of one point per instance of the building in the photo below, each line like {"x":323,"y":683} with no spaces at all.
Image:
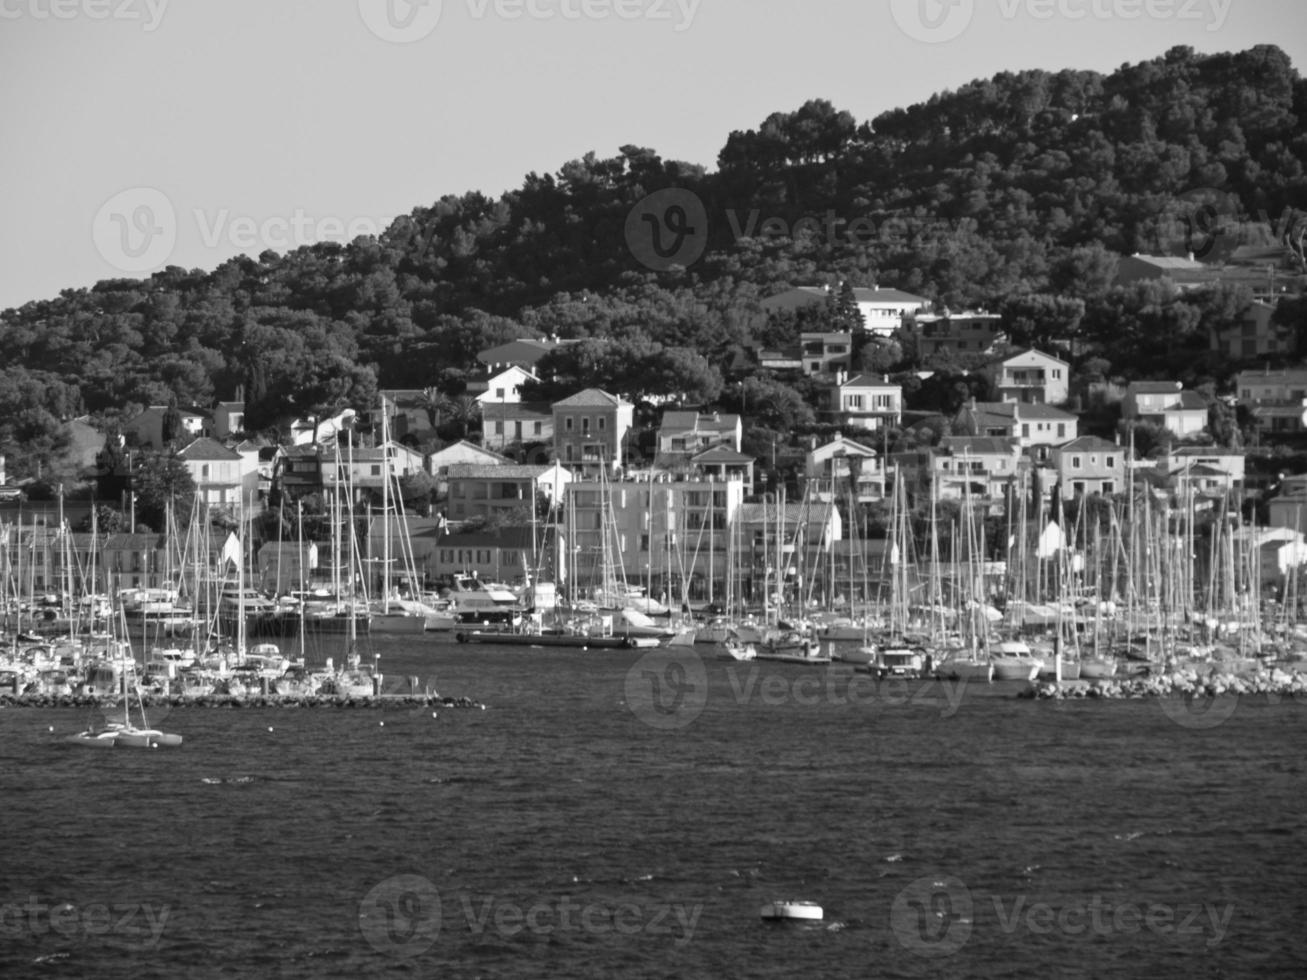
{"x":1229,"y":463}
{"x":1182,"y":270}
{"x":367,"y":468}
{"x":782,"y":548}
{"x":958,"y":333}
{"x":218,"y":472}
{"x":1032,"y":377}
{"x":523,"y":353}
{"x":1033,"y":425}
{"x":843,"y":469}
{"x":516,"y":423}
{"x":1164,"y":403}
{"x":228,"y":419}
{"x":506,"y":386}
{"x":439,"y":462}
{"x":477,"y":490}
{"x":826,"y":353}
{"x":867,"y":401}
{"x":1277,"y":400}
{"x":147,"y":428}
{"x":508,"y":554}
{"x":1089,"y":465}
{"x":684,"y":434}
{"x":1256,"y":335}
{"x":979,"y":468}
{"x":671,"y":533}
{"x":590,"y":431}
{"x":882,"y":309}
{"x":724,"y":465}
{"x":307,"y":432}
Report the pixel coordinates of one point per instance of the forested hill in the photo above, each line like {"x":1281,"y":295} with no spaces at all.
{"x":1025,"y":183}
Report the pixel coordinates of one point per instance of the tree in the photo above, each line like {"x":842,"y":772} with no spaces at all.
{"x":161,"y":480}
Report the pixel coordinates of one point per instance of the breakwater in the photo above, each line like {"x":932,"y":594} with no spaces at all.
{"x":381,"y":701}
{"x":1183,"y":683}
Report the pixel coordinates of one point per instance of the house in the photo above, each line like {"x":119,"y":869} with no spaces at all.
{"x":1033,"y":425}
{"x":508,"y":554}
{"x":723,"y":464}
{"x":1089,"y":465}
{"x":683,"y":434}
{"x":958,"y":333}
{"x":438,"y":463}
{"x":147,"y":428}
{"x":515,"y":423}
{"x":305,"y":432}
{"x":228,"y":419}
{"x":524,"y":353}
{"x":1256,"y":335}
{"x":217,"y":471}
{"x":1277,"y":400}
{"x":1229,"y":464}
{"x":409,"y":414}
{"x":979,"y":468}
{"x":286,"y":566}
{"x":867,"y":401}
{"x":365,"y":469}
{"x":478,"y":490}
{"x":1031,"y":376}
{"x":882,"y":309}
{"x":506,"y":386}
{"x":1183,"y":270}
{"x":1265,"y":282}
{"x":843,"y":468}
{"x":783,"y":361}
{"x":590,"y":430}
{"x":299,"y":470}
{"x":1164,"y":403}
{"x":825,"y":353}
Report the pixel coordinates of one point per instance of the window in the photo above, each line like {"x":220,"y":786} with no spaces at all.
{"x":1061,"y":430}
{"x":499,"y":428}
{"x":567,"y":424}
{"x":1110,"y":462}
{"x":853,"y":401}
{"x":1025,"y":429}
{"x":602,"y":420}
{"x":1078,"y":488}
{"x":815,"y":367}
{"x":376,"y":469}
{"x":204,"y":471}
{"x":1075,"y":462}
{"x":1108,"y":487}
{"x":1057,"y":374}
{"x":585,"y":425}
{"x":499,"y":394}
{"x":537,"y":428}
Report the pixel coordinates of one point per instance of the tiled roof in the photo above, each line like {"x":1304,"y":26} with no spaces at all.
{"x":793,"y":513}
{"x":590,"y":398}
{"x":500,"y":411}
{"x":1153,"y":387}
{"x":721,"y":454}
{"x":496,"y":471}
{"x":957,"y":445}
{"x":869,"y":381}
{"x":206,"y":448}
{"x":1043,"y":413}
{"x":1090,"y":444}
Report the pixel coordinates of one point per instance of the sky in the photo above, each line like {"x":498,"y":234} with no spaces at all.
{"x":136,"y":134}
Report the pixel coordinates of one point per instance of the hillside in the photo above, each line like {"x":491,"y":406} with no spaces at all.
{"x":1015,"y":192}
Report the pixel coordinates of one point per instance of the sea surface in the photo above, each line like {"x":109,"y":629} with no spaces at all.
{"x":629,"y":813}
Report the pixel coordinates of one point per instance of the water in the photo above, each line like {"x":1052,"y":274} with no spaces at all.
{"x":616,"y":813}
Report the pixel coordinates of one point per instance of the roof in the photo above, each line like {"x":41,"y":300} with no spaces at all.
{"x":206,"y":448}
{"x":1206,"y":451}
{"x":463,"y":444}
{"x":840,"y":443}
{"x":1192,"y":400}
{"x":517,"y":538}
{"x":791,"y":513}
{"x":499,"y":411}
{"x":524,"y":350}
{"x":807,"y":295}
{"x":1202,"y":469}
{"x":694,"y":421}
{"x":870,"y":381}
{"x":498,"y":471}
{"x":1153,"y":387}
{"x":721,"y":454}
{"x":591,"y":398}
{"x":1046,"y":413}
{"x":1174,"y":262}
{"x":1028,"y":352}
{"x":958,"y":445}
{"x":1090,"y":444}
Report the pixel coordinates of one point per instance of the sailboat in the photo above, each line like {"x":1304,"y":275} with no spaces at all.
{"x":124,"y":733}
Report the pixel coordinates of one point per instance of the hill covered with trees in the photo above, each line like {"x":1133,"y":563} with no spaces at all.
{"x":1015,"y":193}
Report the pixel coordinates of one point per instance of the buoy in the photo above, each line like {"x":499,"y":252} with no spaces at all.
{"x":382,"y":724}
{"x":792,"y":911}
{"x":269,"y":728}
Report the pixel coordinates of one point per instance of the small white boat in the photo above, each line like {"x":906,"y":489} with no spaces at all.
{"x":1013,"y":661}
{"x":740,"y":651}
{"x":792,"y":911}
